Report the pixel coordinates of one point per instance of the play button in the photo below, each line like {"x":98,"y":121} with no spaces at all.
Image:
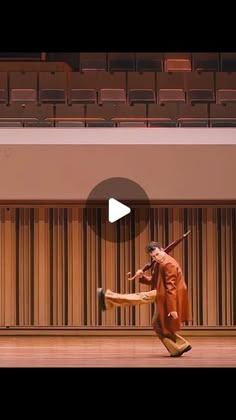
{"x":117,"y":210}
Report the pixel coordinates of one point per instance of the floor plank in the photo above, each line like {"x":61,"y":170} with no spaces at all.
{"x":113,"y":352}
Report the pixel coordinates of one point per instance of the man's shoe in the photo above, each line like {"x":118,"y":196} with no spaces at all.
{"x":188,"y":348}
{"x":101,"y":299}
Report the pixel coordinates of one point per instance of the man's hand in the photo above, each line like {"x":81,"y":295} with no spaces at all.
{"x":174,"y":314}
{"x":138,"y":274}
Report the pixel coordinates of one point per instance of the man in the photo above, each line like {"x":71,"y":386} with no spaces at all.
{"x":171,"y":297}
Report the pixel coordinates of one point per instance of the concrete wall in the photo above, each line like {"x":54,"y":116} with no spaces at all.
{"x":169,"y":164}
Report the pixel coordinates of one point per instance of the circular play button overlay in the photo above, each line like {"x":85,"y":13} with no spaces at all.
{"x":117,"y":209}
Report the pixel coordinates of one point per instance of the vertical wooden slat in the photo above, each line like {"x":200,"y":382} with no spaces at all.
{"x":219,"y":266}
{"x":32,"y":266}
{"x":75,"y":272}
{"x":209,"y":267}
{"x":58,"y":268}
{"x":177,"y":230}
{"x":143,"y":313}
{"x":66,"y":266}
{"x":17,"y":267}
{"x":119,"y":283}
{"x":232,"y":263}
{"x":54,"y":262}
{"x":2,"y":269}
{"x":120,"y":253}
{"x":2,"y":281}
{"x":42,"y":272}
{"x":109,"y":264}
{"x":201,"y":269}
{"x":9,"y":267}
{"x":194,"y":268}
{"x":222,"y":256}
{"x":24,"y":267}
{"x":228,"y":267}
{"x":92,"y":269}
{"x":85,"y":258}
{"x":51,"y":268}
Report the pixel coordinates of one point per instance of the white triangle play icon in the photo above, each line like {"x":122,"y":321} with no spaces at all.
{"x":117,"y":210}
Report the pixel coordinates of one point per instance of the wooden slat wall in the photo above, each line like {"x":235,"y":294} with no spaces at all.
{"x":52,"y":263}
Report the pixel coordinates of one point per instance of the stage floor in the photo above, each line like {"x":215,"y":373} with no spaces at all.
{"x":134,"y":351}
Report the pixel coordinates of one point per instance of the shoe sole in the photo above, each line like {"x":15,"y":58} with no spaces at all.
{"x":102,"y":306}
{"x":188,"y":348}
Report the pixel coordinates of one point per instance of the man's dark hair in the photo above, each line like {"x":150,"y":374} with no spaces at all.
{"x":153,"y":245}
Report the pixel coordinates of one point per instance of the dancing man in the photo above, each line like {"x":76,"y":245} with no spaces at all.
{"x":169,"y":293}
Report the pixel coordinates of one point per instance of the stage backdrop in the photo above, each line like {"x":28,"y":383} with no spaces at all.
{"x":51,"y":260}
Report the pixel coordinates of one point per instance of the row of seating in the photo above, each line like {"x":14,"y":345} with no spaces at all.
{"x":113,"y":115}
{"x":152,"y":61}
{"x":120,"y":87}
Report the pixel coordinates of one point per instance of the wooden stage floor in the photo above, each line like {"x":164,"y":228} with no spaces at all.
{"x":103,"y":351}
